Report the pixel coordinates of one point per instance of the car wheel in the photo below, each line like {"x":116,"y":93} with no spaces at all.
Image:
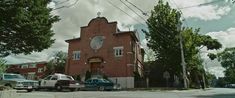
{"x":72,"y":89}
{"x":8,"y":85}
{"x":101,"y":88}
{"x":37,"y":89}
{"x":29,"y":90}
{"x":58,"y":87}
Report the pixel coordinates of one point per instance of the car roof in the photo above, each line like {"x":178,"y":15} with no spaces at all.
{"x":58,"y":74}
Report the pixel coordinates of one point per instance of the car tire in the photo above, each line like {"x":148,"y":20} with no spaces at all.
{"x":37,"y":89}
{"x":101,"y":88}
{"x":29,"y":90}
{"x":72,"y":89}
{"x":8,"y":85}
{"x":58,"y":87}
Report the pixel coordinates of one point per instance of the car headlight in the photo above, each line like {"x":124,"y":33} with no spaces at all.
{"x":77,"y":84}
{"x":19,"y":84}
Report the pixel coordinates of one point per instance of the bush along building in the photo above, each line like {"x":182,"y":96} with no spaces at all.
{"x":103,"y":50}
{"x":31,"y":70}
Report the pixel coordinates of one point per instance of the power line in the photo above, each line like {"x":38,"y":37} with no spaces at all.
{"x":132,"y":10}
{"x":144,"y":13}
{"x":67,"y":6}
{"x":135,"y":13}
{"x":201,"y":4}
{"x":151,"y":26}
{"x":184,"y":19}
{"x":124,"y":11}
{"x":58,"y":3}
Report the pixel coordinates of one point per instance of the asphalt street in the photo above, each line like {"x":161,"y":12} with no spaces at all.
{"x":208,"y":93}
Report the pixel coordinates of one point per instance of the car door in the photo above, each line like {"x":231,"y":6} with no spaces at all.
{"x":52,"y":81}
{"x":44,"y":81}
{"x":88,"y":84}
{"x":94,"y":84}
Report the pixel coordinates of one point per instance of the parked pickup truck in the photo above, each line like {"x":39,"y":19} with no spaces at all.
{"x":18,"y":82}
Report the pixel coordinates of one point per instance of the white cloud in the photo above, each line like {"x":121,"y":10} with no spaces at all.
{"x":51,"y":5}
{"x":204,"y":12}
{"x":227,"y":38}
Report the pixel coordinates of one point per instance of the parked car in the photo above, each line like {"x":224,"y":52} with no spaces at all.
{"x":230,"y":85}
{"x":99,"y":84}
{"x":59,"y":82}
{"x":18,"y":82}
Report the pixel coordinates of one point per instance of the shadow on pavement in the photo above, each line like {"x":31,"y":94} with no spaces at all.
{"x":217,"y":96}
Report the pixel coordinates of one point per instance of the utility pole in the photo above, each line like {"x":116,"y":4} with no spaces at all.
{"x":182,"y":58}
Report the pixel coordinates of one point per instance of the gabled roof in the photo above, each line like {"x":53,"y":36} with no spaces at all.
{"x":133,"y":33}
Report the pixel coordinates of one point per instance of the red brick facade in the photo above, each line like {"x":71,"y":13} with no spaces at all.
{"x":103,"y":59}
{"x":33,"y":70}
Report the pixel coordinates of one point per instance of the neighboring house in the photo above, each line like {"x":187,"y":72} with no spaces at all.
{"x":103,"y":49}
{"x":31,"y":70}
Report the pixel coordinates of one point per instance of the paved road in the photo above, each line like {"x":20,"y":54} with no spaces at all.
{"x":209,"y":93}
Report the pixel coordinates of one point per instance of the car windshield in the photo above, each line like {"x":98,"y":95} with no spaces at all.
{"x":67,"y":78}
{"x":13,"y":76}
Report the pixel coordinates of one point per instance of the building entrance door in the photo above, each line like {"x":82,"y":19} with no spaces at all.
{"x":96,"y":68}
{"x":96,"y":65}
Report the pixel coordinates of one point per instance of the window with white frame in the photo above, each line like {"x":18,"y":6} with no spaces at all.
{"x":32,"y":65}
{"x":40,"y":70}
{"x":118,"y":51}
{"x":76,"y":55}
{"x":24,"y":66}
{"x":31,"y":75}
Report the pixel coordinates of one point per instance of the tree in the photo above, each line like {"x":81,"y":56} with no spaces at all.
{"x":25,"y":26}
{"x":163,"y":36}
{"x":211,"y":79}
{"x":227,"y":60}
{"x":221,"y":82}
{"x":2,"y":65}
{"x":193,"y":42}
{"x":57,"y":64}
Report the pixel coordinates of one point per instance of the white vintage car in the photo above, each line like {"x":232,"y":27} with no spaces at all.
{"x":59,"y":82}
{"x":18,"y":82}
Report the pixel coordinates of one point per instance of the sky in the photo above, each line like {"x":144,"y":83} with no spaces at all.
{"x":214,"y":19}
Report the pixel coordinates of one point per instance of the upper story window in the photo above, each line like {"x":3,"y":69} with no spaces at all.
{"x":40,"y":70}
{"x":32,"y":65}
{"x":118,"y":51}
{"x":76,"y":55}
{"x":24,"y":66}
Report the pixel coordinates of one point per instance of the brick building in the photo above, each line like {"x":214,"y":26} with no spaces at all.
{"x":103,"y":49}
{"x":31,"y":70}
